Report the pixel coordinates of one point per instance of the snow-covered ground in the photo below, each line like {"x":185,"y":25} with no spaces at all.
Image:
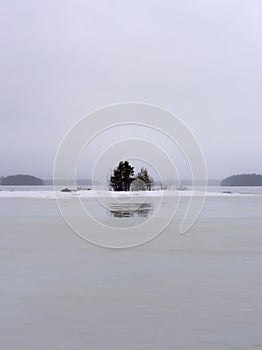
{"x":93,"y":193}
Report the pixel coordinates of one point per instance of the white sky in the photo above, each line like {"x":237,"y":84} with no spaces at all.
{"x":202,"y":60}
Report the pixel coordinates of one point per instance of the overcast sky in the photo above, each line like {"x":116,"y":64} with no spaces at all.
{"x":200,"y":59}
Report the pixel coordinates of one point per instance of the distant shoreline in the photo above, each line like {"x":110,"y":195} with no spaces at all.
{"x":243,"y":180}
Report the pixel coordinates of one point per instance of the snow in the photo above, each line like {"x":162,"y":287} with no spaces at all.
{"x":93,"y":193}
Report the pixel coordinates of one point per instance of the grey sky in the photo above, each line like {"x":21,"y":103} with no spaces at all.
{"x":202,"y":60}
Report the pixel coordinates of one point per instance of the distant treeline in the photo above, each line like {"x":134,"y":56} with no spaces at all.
{"x":29,"y":180}
{"x":21,"y":180}
{"x":243,"y":180}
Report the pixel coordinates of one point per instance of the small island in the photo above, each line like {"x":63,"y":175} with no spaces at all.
{"x":21,"y":180}
{"x":243,"y":180}
{"x":123,"y":178}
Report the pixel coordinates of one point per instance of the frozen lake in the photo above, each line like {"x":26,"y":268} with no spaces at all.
{"x":201,"y":290}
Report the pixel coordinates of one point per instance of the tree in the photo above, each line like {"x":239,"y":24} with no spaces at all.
{"x":122,"y":177}
{"x":144,"y":176}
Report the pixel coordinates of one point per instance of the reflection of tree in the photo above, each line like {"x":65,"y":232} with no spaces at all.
{"x":131,"y":210}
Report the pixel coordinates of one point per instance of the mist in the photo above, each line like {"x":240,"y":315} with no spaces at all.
{"x":200,"y":60}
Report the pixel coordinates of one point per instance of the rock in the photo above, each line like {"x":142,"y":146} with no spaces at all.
{"x":66,"y":190}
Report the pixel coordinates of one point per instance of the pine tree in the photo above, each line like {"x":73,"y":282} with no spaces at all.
{"x":122,"y":177}
{"x":144,"y":176}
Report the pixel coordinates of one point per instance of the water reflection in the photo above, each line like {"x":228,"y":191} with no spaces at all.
{"x":127,"y":210}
